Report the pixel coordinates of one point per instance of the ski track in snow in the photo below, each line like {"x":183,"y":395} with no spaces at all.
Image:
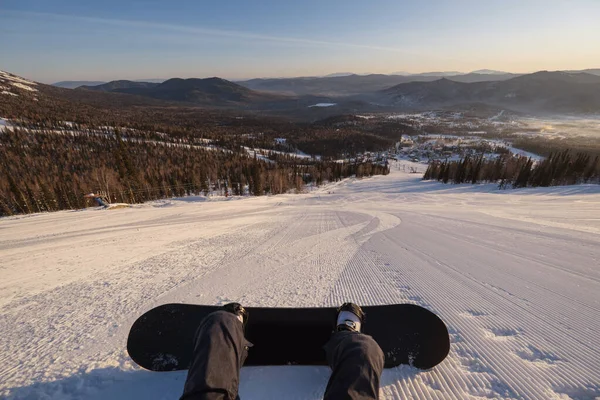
{"x":514,"y":274}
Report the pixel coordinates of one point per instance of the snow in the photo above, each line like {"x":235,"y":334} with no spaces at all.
{"x":528,"y":154}
{"x":5,"y":125}
{"x":301,"y":154}
{"x":16,"y":81}
{"x":497,"y":116}
{"x":514,"y":273}
{"x":423,"y":149}
{"x":263,"y":153}
{"x":260,"y":154}
{"x":323,"y":105}
{"x":24,"y":87}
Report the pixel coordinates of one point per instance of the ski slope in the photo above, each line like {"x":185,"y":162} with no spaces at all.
{"x":515,"y":274}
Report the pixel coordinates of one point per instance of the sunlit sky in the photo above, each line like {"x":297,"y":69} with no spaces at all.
{"x":53,"y":40}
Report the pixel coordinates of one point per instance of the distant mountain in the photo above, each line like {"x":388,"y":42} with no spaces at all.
{"x":593,"y":71}
{"x":481,"y":77}
{"x":551,"y":77}
{"x":332,"y":86}
{"x":442,"y":73}
{"x":490,"y":72}
{"x":353,"y":84}
{"x":428,"y":93}
{"x":76,"y":84}
{"x":336,"y":74}
{"x":158,"y":80}
{"x":542,"y":91}
{"x":120,"y":86}
{"x":209,"y":91}
{"x":200,"y":90}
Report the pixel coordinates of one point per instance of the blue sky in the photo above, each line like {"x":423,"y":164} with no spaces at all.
{"x":50,"y":40}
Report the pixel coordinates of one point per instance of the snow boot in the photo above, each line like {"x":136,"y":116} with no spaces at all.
{"x":238,"y":310}
{"x":350,"y":317}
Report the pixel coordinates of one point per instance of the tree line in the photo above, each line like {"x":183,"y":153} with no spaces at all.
{"x":561,"y":168}
{"x":49,"y":170}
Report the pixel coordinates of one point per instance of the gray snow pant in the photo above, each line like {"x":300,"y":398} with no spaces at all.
{"x":221,"y":349}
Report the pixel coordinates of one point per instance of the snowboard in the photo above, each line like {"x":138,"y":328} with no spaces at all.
{"x":162,"y":338}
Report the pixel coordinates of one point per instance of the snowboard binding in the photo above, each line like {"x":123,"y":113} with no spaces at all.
{"x":350,"y":317}
{"x":238,"y":310}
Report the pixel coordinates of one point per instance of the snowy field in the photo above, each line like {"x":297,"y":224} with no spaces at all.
{"x":515,"y":274}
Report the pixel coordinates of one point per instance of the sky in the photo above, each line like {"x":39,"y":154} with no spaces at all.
{"x":54,"y":40}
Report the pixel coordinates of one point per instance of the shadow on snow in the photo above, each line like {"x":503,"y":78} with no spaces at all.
{"x":276,"y":382}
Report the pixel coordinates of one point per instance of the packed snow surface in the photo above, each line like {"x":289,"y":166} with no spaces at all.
{"x":514,"y":273}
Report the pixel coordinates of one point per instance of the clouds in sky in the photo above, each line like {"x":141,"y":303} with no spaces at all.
{"x":244,"y":40}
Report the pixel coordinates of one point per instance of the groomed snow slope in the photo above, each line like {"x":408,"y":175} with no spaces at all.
{"x":515,"y":274}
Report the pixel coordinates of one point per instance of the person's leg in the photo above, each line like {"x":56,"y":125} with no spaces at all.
{"x":220,"y":350}
{"x":357,"y":362}
{"x":356,"y":359}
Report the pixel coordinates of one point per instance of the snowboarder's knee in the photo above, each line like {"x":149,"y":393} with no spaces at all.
{"x":370,"y":347}
{"x":362,"y":347}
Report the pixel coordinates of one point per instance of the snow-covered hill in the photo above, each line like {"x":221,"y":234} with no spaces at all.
{"x":513,"y":273}
{"x":8,"y":81}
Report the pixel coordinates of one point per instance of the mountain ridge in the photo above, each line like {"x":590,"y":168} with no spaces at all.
{"x":205,"y":91}
{"x":118,"y":85}
{"x":541,"y":92}
{"x":554,"y":91}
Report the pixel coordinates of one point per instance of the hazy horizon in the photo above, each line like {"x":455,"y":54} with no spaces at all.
{"x":243,"y":40}
{"x":293,"y":76}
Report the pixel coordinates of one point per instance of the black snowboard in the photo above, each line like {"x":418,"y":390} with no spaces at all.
{"x":162,"y":339}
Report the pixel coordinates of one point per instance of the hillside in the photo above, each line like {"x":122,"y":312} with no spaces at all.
{"x":119,"y":86}
{"x":593,"y":71}
{"x":190,"y":104}
{"x":76,"y":84}
{"x":356,"y":84}
{"x":24,"y":99}
{"x":327,"y":86}
{"x":13,"y":85}
{"x":541,"y":91}
{"x":209,"y":92}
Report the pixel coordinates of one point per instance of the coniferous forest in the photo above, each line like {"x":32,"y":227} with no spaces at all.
{"x":48,"y":170}
{"x":61,"y":144}
{"x":562,"y":168}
